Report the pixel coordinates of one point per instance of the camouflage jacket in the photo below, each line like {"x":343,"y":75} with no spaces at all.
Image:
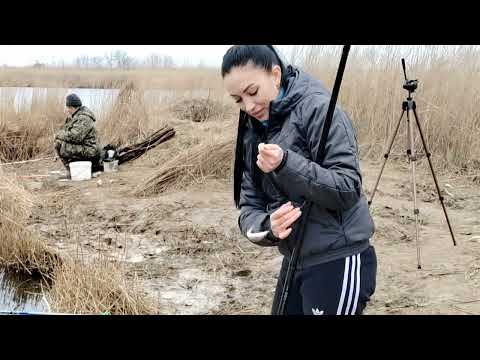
{"x":79,"y":132}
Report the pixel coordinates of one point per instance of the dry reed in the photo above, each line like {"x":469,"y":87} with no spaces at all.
{"x":182,"y":79}
{"x":127,"y":122}
{"x":21,"y":249}
{"x":372,"y":94}
{"x":210,"y":159}
{"x":201,"y":109}
{"x":95,"y":287}
{"x":28,"y":133}
{"x":73,"y":285}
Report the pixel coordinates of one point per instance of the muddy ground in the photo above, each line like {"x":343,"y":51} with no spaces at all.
{"x":186,"y":250}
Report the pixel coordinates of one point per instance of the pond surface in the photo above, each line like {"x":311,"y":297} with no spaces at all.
{"x":99,"y":101}
{"x":20,"y":293}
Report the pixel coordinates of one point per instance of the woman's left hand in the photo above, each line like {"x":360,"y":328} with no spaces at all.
{"x":269,"y":157}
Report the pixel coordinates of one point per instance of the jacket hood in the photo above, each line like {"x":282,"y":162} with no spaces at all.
{"x":83,"y":110}
{"x":298,"y":85}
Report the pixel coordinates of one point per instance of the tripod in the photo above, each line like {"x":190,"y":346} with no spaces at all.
{"x":410,"y":106}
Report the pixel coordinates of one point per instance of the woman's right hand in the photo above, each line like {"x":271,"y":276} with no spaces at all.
{"x":283,"y":218}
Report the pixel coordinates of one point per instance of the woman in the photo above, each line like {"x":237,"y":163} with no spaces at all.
{"x":282,"y":110}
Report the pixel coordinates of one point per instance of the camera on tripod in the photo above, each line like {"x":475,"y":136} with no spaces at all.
{"x":410,"y":85}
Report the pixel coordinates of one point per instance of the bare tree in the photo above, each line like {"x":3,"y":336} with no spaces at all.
{"x":122,"y":59}
{"x":153,"y":61}
{"x":82,"y":61}
{"x":97,"y":61}
{"x":168,"y":62}
{"x":110,"y":59}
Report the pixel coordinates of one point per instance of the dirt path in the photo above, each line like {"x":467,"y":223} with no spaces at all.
{"x":186,"y":249}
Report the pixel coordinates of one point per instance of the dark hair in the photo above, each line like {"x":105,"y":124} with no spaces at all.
{"x":263,"y":56}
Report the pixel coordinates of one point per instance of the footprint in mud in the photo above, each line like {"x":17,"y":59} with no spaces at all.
{"x":472,"y":274}
{"x":242,"y":273}
{"x":192,"y":292}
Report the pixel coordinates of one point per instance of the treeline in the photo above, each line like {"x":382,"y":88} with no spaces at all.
{"x":118,"y":59}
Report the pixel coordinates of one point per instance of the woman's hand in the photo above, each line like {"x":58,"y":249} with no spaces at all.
{"x":269,"y":157}
{"x":282,"y":219}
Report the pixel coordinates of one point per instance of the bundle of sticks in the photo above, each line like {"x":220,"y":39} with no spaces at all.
{"x":133,"y":152}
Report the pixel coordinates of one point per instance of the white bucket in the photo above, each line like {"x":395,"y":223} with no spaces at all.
{"x":80,"y":170}
{"x":110,"y":166}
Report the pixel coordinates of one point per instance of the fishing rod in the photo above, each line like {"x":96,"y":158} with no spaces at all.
{"x":300,"y":229}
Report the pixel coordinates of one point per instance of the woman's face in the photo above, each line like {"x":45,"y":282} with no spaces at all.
{"x":253,"y":88}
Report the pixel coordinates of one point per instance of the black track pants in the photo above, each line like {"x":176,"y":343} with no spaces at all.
{"x":340,"y":287}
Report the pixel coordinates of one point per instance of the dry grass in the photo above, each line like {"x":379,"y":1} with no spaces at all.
{"x":127,"y":122}
{"x":201,"y":109}
{"x":29,"y":133}
{"x":179,"y":79}
{"x":210,"y":159}
{"x":73,"y":285}
{"x":20,"y":249}
{"x":372,"y":93}
{"x":96,"y":287}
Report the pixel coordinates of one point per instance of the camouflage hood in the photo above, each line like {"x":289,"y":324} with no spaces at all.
{"x":83,"y":110}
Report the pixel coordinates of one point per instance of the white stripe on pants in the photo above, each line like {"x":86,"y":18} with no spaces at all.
{"x":350,"y":293}
{"x":344,"y":286}
{"x":355,"y":303}
{"x":351,"y":282}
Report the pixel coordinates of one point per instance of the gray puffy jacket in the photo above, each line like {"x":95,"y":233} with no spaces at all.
{"x":339,"y":224}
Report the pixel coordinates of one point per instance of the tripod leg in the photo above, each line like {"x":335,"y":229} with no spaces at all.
{"x":392,"y":139}
{"x":413,"y":158}
{"x":440,"y":197}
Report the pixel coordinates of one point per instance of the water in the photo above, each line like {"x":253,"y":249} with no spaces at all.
{"x":100,"y":101}
{"x":20,"y":293}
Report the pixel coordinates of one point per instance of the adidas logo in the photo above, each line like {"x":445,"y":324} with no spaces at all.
{"x":317,"y":312}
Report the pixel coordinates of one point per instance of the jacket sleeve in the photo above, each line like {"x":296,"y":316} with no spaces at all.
{"x":78,"y":132}
{"x":254,"y":219}
{"x":337,"y":183}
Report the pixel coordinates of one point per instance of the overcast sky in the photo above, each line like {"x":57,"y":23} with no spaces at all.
{"x":209,"y":55}
{"x":25,"y":55}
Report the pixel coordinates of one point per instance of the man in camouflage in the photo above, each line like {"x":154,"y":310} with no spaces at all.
{"x":77,"y":140}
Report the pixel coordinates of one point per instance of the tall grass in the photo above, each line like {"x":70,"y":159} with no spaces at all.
{"x":20,"y":249}
{"x":447,"y":97}
{"x":179,"y":79}
{"x":74,"y":284}
{"x":28,"y":132}
{"x":127,"y":121}
{"x":371,"y":93}
{"x":95,"y":287}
